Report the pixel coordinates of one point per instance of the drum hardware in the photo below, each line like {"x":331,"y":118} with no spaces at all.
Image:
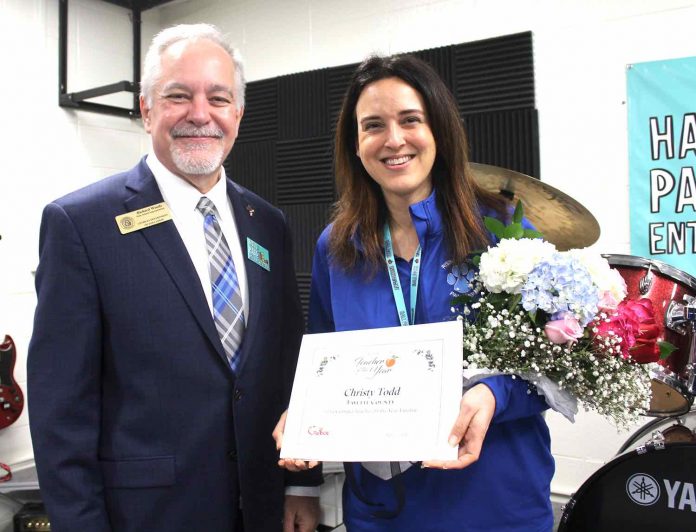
{"x":567,"y":508}
{"x":645,"y":284}
{"x":681,"y":318}
{"x":657,"y":436}
{"x":657,"y":444}
{"x":562,"y":220}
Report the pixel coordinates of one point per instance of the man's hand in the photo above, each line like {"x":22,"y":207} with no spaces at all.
{"x":290,"y":464}
{"x":475,"y":414}
{"x":301,"y":514}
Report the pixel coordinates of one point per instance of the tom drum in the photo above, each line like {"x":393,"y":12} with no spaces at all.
{"x":669,"y":289}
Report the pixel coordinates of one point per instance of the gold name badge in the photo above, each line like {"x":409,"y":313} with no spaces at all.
{"x":142,"y":218}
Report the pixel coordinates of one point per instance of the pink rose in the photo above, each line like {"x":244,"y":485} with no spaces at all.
{"x":607,"y":302}
{"x":564,"y":331}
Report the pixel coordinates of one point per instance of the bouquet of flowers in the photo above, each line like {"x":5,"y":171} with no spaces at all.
{"x":559,"y":320}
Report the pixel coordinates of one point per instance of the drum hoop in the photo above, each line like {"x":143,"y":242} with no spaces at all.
{"x":671,"y":379}
{"x":662,"y":267}
{"x":592,"y":479}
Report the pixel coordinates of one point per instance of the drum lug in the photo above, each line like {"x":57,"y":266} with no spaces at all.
{"x":656,"y":443}
{"x":567,"y":508}
{"x":690,"y":308}
{"x":645,"y":284}
{"x":691,"y":382}
{"x":679,"y":316}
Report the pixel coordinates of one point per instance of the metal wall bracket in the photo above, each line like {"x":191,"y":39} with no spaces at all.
{"x":79,"y":100}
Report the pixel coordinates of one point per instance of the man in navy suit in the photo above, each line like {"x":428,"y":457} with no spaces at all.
{"x":139,"y":421}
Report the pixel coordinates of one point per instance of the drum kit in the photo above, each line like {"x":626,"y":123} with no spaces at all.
{"x":651,"y":483}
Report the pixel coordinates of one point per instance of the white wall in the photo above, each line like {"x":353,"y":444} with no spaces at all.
{"x":581,"y":51}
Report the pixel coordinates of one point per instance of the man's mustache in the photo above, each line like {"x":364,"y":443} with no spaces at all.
{"x":192,"y":131}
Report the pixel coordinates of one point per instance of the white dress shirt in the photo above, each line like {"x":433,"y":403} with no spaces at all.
{"x":181,"y":198}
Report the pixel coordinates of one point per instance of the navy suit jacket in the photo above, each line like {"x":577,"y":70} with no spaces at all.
{"x":137,"y":421}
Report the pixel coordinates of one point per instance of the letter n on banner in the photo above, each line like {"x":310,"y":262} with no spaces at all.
{"x":662,"y":158}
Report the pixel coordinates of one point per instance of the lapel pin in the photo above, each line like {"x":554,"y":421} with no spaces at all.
{"x":250,"y":209}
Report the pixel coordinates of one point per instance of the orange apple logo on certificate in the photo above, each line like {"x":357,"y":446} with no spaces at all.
{"x":390,"y":361}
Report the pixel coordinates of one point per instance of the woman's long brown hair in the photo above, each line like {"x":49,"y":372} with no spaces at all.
{"x":360,"y":211}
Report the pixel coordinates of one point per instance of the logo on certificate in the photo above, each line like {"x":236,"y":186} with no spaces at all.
{"x":313,"y":430}
{"x":375,"y":365}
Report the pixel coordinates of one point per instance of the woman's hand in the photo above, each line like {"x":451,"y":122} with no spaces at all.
{"x":290,"y":464}
{"x":475,"y":413}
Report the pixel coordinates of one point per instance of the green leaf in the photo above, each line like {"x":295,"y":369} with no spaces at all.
{"x":519,"y":212}
{"x":497,"y":299}
{"x":461,"y":299}
{"x":666,"y":349}
{"x":514,"y":301}
{"x":531,"y":233}
{"x":494,"y":225}
{"x":514,"y":230}
{"x":475,"y":256}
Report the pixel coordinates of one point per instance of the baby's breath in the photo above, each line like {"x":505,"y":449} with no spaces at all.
{"x":592,"y":371}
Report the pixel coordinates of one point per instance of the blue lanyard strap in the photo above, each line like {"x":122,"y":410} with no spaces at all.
{"x":396,"y":283}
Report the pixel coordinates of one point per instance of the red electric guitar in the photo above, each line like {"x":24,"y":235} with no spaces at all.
{"x":11,"y":397}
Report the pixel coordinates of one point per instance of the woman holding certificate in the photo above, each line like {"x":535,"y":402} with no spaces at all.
{"x":406,"y":196}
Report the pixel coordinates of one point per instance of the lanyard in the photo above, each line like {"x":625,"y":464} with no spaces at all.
{"x":396,"y":284}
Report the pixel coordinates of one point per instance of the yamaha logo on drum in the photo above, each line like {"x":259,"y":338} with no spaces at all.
{"x":643,"y":489}
{"x":651,"y":488}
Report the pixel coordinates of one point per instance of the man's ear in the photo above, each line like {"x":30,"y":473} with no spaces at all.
{"x":240,"y":114}
{"x":145,"y":113}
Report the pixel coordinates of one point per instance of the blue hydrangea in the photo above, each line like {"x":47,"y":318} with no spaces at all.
{"x":561,"y":284}
{"x":461,"y":278}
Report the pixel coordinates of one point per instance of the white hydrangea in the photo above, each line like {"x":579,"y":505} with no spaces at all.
{"x":505,"y":267}
{"x":604,"y":277}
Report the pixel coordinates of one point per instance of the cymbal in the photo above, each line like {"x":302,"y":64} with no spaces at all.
{"x":562,"y":220}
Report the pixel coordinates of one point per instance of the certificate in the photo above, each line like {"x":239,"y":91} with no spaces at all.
{"x":387,"y":394}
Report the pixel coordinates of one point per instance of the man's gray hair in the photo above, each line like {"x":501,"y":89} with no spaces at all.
{"x":152,"y":67}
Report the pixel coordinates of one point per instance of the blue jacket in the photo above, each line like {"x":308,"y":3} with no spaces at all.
{"x":508,"y":488}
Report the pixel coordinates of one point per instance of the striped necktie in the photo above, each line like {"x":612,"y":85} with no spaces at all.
{"x":228,"y":312}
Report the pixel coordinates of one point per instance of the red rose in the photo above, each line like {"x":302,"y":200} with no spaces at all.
{"x":621,"y":327}
{"x":646,"y":330}
{"x":634,"y":321}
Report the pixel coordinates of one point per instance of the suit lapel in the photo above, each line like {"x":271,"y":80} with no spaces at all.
{"x":248,"y":227}
{"x":165,"y":241}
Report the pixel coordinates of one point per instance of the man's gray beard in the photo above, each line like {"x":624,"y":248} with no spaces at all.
{"x":189,"y":161}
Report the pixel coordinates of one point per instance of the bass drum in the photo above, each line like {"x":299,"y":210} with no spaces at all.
{"x":644,"y":490}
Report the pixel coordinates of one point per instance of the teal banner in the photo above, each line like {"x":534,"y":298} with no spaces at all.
{"x":662,"y":158}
